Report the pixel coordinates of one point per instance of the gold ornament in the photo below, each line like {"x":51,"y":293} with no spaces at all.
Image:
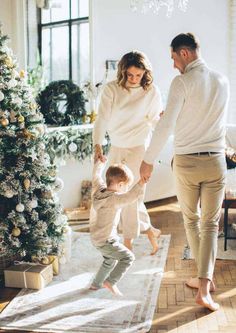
{"x":22,"y":73}
{"x":9,"y":62}
{"x":21,"y":119}
{"x":45,"y":261}
{"x":4,"y":122}
{"x":92,"y":117}
{"x":47,"y":195}
{"x":16,"y":232}
{"x":33,"y":106}
{"x":26,"y":183}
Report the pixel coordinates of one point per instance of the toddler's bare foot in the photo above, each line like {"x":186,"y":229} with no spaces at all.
{"x":128,"y":243}
{"x":153,"y":234}
{"x":113,"y":288}
{"x":207,"y":302}
{"x":92,"y":287}
{"x":194,"y":283}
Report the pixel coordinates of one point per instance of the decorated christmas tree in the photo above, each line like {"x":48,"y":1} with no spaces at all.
{"x":31,"y":219}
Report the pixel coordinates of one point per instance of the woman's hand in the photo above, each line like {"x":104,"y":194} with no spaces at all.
{"x":98,"y":154}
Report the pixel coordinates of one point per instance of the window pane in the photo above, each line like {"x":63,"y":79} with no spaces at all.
{"x":46,"y":57}
{"x":60,"y":53}
{"x":79,"y":8}
{"x":80,"y":52}
{"x":55,"y":53}
{"x":58,"y":13}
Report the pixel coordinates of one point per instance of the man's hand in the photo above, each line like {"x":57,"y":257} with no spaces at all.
{"x":98,"y":154}
{"x":145,"y":171}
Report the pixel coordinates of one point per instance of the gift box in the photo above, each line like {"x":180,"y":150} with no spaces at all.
{"x":28,"y":275}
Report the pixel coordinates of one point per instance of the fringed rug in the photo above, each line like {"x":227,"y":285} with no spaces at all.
{"x":66,"y":305}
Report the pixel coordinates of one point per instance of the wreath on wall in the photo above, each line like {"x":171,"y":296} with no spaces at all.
{"x":62,"y":103}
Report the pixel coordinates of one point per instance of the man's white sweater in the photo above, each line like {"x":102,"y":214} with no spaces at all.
{"x":129,"y":116}
{"x":195,"y":112}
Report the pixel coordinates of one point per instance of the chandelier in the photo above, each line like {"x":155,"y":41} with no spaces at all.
{"x":154,"y":5}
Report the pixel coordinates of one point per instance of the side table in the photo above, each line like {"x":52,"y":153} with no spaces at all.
{"x":229,"y":232}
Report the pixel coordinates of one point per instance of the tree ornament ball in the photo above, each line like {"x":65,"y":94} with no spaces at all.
{"x":9,"y":194}
{"x":72,"y":147}
{"x":33,"y":203}
{"x":21,"y":119}
{"x":16,"y":232}
{"x":20,"y":208}
{"x":12,"y":83}
{"x":26,"y":183}
{"x":59,"y":184}
{"x":1,"y":96}
{"x":4,"y":122}
{"x":45,"y":261}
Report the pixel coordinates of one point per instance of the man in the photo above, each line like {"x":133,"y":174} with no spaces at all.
{"x":195,"y":112}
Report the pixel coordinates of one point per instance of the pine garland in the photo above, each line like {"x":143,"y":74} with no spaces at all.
{"x":73,"y":142}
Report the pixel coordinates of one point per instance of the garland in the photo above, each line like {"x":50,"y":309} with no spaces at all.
{"x":73,"y":142}
{"x":51,"y":101}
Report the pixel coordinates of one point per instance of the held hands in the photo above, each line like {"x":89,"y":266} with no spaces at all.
{"x":145,"y":171}
{"x":98,"y":154}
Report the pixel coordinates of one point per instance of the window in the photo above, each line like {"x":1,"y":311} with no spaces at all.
{"x":64,"y":40}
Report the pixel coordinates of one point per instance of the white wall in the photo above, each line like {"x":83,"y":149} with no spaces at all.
{"x":12,"y":17}
{"x":118,"y":30}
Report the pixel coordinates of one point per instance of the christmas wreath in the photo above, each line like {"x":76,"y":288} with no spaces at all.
{"x":62,"y":103}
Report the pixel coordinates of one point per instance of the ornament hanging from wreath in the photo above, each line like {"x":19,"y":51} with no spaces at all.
{"x":62,"y":103}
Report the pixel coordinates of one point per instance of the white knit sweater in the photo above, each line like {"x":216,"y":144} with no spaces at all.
{"x":195,"y":112}
{"x":128,"y":116}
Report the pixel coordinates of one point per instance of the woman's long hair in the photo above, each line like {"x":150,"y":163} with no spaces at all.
{"x":136,"y":59}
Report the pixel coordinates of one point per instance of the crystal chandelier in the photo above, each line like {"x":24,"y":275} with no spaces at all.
{"x":155,"y":5}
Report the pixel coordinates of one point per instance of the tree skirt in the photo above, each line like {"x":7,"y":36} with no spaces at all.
{"x":66,"y":305}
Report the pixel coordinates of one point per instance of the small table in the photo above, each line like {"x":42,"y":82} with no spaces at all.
{"x":229,"y":202}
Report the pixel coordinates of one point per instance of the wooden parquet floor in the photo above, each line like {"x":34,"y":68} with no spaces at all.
{"x":176,"y":311}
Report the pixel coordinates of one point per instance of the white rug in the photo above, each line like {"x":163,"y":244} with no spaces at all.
{"x":230,"y":254}
{"x":66,"y":305}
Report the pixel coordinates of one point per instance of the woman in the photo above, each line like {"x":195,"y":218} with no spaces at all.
{"x":128,"y":111}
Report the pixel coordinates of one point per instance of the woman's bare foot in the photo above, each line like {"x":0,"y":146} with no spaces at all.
{"x":153,"y":234}
{"x":194,"y":283}
{"x":113,"y":288}
{"x":207,"y":302}
{"x":128,"y":243}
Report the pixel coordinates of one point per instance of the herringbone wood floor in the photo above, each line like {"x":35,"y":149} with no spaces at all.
{"x":176,"y":311}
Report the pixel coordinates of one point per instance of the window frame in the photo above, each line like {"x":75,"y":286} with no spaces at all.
{"x":68,"y":22}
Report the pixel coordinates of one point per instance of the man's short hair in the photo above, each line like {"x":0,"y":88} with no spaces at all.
{"x":117,"y":173}
{"x":187,"y":40}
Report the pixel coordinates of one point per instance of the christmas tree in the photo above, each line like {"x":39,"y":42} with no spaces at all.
{"x":31,"y":219}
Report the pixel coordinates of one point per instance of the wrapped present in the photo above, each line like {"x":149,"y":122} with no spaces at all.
{"x":49,"y":260}
{"x":28,"y":275}
{"x":77,"y":214}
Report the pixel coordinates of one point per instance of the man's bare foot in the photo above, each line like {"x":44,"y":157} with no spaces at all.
{"x":207,"y":302}
{"x":153,"y":234}
{"x":113,"y":288}
{"x":128,"y":243}
{"x":194,"y":283}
